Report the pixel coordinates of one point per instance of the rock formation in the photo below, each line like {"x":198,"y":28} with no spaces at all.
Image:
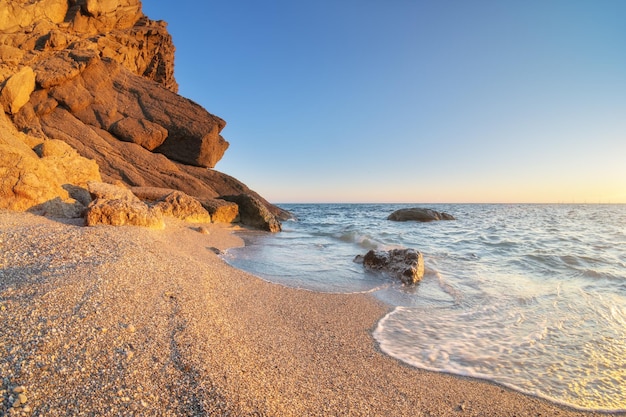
{"x":253,"y":213}
{"x":117,"y":206}
{"x":42,"y":175}
{"x":184,"y":207}
{"x":118,"y":212}
{"x":98,"y":75}
{"x":405,"y":264}
{"x":419,"y":215}
{"x":222,"y":211}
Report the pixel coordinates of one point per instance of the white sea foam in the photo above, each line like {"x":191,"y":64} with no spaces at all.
{"x":530,"y":296}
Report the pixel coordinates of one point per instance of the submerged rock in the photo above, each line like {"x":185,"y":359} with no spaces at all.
{"x":419,"y":215}
{"x":405,"y":264}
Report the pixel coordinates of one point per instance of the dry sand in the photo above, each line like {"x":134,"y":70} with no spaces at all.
{"x":109,"y":321}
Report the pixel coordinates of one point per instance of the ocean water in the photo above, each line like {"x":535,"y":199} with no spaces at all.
{"x":532,"y":297}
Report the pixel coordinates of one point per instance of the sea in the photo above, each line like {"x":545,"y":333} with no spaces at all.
{"x":532,"y":297}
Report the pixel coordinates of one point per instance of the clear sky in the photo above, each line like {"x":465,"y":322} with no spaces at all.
{"x":411,"y":101}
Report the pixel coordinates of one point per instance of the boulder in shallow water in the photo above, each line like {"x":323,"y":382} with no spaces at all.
{"x":419,"y":215}
{"x":405,"y":264}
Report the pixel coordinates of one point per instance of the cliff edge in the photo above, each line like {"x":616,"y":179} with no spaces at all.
{"x":94,"y":81}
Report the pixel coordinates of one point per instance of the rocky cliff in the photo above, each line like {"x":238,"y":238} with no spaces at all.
{"x":94,"y":80}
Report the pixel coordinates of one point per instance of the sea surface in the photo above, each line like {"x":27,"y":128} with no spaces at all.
{"x":532,"y":297}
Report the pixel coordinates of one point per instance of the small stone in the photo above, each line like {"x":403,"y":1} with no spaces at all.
{"x":19,"y":389}
{"x":27,"y":409}
{"x":131,"y":328}
{"x":203,"y":230}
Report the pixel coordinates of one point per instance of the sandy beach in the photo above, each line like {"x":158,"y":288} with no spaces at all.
{"x":109,"y":321}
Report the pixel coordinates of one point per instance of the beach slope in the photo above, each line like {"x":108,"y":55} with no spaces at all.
{"x":129,"y":321}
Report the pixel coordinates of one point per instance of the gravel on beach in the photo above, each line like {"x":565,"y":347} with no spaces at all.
{"x":116,"y":321}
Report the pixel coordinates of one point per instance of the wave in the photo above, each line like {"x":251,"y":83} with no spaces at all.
{"x":362,"y":240}
{"x":503,"y":286}
{"x":527,"y":350}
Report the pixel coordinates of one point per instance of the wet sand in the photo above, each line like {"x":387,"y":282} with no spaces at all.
{"x":129,"y":321}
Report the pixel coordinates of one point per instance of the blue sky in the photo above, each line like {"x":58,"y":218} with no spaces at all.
{"x":411,"y":101}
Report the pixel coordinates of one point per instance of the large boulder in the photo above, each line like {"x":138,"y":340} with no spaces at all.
{"x":407,"y":265}
{"x":419,"y":215}
{"x":140,"y":131}
{"x":17,"y":90}
{"x":222,"y":211}
{"x":123,"y":212}
{"x":105,"y":191}
{"x":48,"y":179}
{"x":102,"y":94}
{"x":68,"y":166}
{"x":253,"y":213}
{"x":184,"y":207}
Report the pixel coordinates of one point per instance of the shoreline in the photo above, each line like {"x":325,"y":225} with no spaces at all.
{"x":125,"y":320}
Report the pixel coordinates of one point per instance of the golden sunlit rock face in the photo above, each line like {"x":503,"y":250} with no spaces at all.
{"x":98,"y":76}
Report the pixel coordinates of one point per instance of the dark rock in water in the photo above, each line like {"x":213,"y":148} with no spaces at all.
{"x":419,"y":215}
{"x":253,"y":213}
{"x":405,"y":264}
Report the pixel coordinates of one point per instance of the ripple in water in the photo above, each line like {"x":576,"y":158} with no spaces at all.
{"x":530,"y":296}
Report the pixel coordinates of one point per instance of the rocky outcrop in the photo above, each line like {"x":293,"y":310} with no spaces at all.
{"x":253,"y":213}
{"x":105,"y":191}
{"x":119,"y":212}
{"x":18,"y":15}
{"x":104,"y":95}
{"x":184,"y":207}
{"x":111,"y":68}
{"x":407,"y":265}
{"x":221,"y":211}
{"x":117,"y":206}
{"x":419,"y":215}
{"x":43,"y":176}
{"x":98,"y":75}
